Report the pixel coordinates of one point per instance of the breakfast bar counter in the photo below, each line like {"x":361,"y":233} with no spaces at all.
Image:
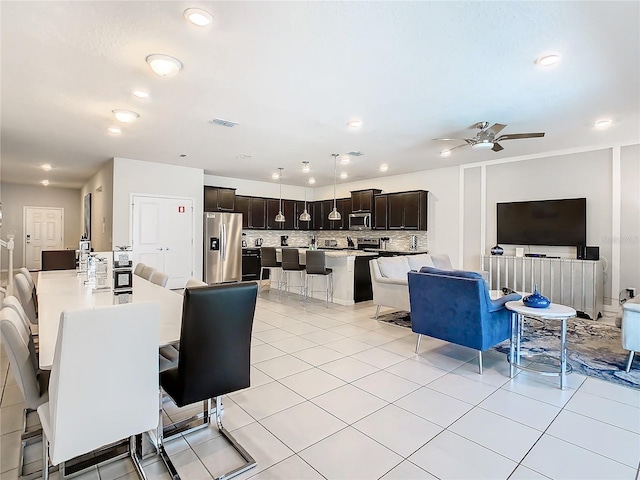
{"x":350,"y":274}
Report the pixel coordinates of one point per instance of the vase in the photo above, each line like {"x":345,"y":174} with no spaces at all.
{"x":536,"y":300}
{"x":497,"y":250}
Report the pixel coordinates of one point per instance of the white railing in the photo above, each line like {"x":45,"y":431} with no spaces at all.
{"x":575,"y":283}
{"x":9,"y":245}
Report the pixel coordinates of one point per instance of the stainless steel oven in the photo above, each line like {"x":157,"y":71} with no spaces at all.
{"x":360,"y":221}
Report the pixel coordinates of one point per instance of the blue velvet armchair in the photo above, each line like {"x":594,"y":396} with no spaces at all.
{"x":455,"y":306}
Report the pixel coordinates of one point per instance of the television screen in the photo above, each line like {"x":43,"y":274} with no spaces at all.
{"x":546,"y":222}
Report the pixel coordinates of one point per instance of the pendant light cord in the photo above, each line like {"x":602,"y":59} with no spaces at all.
{"x":335,"y":167}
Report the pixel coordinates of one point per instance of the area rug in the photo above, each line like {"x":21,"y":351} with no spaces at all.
{"x":593,"y":348}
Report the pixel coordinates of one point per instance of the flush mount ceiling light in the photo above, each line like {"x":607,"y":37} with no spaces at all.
{"x":140,"y":93}
{"x":45,"y":182}
{"x":345,"y":160}
{"x":164,"y":65}
{"x":280,"y":216}
{"x":355,"y":123}
{"x":335,"y":214}
{"x":114,"y":130}
{"x":198,"y":17}
{"x":343,"y":175}
{"x":312,"y":181}
{"x":483,"y":145}
{"x":46,"y":167}
{"x":602,"y":124}
{"x":445,"y":153}
{"x":304,"y":216}
{"x":384,"y":167}
{"x":125,"y":116}
{"x":548,"y":60}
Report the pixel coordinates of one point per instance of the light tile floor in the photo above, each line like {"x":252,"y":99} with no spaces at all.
{"x":336,"y":394}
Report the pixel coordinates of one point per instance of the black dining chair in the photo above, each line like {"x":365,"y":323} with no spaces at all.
{"x":58,"y":260}
{"x":213,"y":360}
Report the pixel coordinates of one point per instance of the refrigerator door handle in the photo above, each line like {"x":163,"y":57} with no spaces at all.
{"x":223,"y":242}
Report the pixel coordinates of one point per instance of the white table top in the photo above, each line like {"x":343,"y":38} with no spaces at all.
{"x":554,"y":310}
{"x":65,"y":290}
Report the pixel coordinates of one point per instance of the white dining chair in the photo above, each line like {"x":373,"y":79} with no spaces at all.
{"x":139,"y":268}
{"x":97,"y":398}
{"x":24,"y":294}
{"x":147,"y":271}
{"x":159,"y":278}
{"x":13,"y":303}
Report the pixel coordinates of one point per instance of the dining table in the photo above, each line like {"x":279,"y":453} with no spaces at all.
{"x":63,"y":290}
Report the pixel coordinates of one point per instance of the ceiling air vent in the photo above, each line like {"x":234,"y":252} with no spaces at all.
{"x":222,"y":122}
{"x":356,"y":154}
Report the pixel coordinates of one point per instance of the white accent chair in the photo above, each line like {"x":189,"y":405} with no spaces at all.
{"x":631,"y":330}
{"x":389,"y":279}
{"x":95,"y":397}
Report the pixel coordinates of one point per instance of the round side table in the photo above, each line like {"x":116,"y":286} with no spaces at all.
{"x":555,"y":312}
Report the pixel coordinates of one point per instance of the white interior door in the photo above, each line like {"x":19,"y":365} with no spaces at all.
{"x":43,"y":230}
{"x":163,"y":236}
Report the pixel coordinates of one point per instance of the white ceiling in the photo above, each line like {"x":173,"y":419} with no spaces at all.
{"x":292,"y":74}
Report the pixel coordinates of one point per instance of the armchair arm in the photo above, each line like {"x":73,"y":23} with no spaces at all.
{"x":497,"y":304}
{"x":392,"y":281}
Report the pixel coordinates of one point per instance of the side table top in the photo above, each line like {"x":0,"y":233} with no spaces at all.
{"x":554,"y":310}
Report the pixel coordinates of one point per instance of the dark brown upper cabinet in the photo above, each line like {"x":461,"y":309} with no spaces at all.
{"x":407,"y":210}
{"x":380,"y":209}
{"x":219,"y":199}
{"x":362,"y":200}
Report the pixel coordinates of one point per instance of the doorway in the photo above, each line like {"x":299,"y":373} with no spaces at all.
{"x":43,"y":230}
{"x":163,"y":233}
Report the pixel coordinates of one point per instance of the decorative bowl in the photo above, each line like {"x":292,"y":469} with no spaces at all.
{"x":536,"y":300}
{"x":497,"y":250}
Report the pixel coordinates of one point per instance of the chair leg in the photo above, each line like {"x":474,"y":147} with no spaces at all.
{"x":480,"y":362}
{"x":630,"y":361}
{"x":135,"y":453}
{"x":249,"y":461}
{"x":419,"y":338}
{"x":45,"y":457}
{"x":378,"y":311}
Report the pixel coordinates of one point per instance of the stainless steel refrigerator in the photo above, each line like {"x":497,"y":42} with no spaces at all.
{"x":222,"y":247}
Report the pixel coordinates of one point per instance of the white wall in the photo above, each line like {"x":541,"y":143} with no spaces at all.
{"x":253,"y":188}
{"x":136,"y":177}
{"x":101,"y":188}
{"x":15,"y":197}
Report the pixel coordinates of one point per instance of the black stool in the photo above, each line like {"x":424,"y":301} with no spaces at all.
{"x":316,"y":265}
{"x":268,"y":262}
{"x":291,"y":263}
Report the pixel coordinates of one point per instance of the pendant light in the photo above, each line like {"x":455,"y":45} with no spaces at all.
{"x":304,"y":216}
{"x":335,"y":214}
{"x":280,"y":216}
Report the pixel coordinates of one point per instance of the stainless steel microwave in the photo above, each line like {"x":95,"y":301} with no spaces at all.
{"x":359,"y":221}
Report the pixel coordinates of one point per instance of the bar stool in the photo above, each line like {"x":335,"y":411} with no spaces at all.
{"x":268,"y":262}
{"x":316,"y":265}
{"x":291,"y":263}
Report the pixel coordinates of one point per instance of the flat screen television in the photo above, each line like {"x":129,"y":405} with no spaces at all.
{"x":545,"y":222}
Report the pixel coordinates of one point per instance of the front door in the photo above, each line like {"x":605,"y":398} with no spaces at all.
{"x":43,"y":230}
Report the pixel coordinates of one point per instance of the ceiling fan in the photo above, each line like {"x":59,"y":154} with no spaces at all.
{"x":487,"y":137}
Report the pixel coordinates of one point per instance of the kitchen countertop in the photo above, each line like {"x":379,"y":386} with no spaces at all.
{"x":337,"y":253}
{"x":394,"y":250}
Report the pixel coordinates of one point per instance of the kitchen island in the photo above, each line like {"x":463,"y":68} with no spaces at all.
{"x":351,"y":279}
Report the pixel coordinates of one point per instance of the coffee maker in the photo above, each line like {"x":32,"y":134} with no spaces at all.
{"x":284,"y":240}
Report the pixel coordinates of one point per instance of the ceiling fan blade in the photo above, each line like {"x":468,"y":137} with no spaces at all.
{"x":497,"y":147}
{"x":480,"y":125}
{"x":458,"y":146}
{"x":453,"y":139}
{"x":495,"y":128}
{"x":516,"y":136}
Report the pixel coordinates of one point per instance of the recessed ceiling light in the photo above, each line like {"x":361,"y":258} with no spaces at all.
{"x":445,"y":153}
{"x":114,"y":130}
{"x":45,"y":182}
{"x":384,"y":167}
{"x":125,"y":116}
{"x":198,"y":17}
{"x":345,"y":159}
{"x":343,"y":175}
{"x":355,"y":123}
{"x":164,"y":65}
{"x":548,"y":60}
{"x":46,"y":167}
{"x":604,"y":123}
{"x":139,"y":93}
{"x":275,"y":176}
{"x":312,"y":180}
